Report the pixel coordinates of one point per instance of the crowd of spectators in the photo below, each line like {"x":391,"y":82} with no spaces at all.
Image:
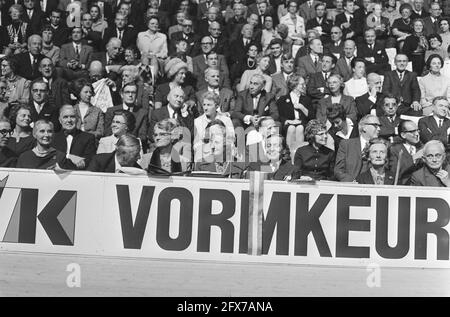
{"x":337,"y":90}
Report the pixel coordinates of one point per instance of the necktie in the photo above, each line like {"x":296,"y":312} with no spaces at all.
{"x":77,"y":50}
{"x":401,"y":76}
{"x":371,"y":47}
{"x":440,"y":123}
{"x":411,"y":150}
{"x":391,"y":119}
{"x":326,"y":76}
{"x":120,"y":35}
{"x":315,"y":61}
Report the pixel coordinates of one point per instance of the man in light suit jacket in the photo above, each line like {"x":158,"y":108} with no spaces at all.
{"x":209,"y":59}
{"x":349,"y":160}
{"x":279,"y":80}
{"x":75,"y":57}
{"x":407,"y":88}
{"x":212,"y":77}
{"x":307,"y":10}
{"x":343,"y":65}
{"x":82,"y":144}
{"x":253,"y":103}
{"x":410,"y":149}
{"x":436,"y":126}
{"x":310,"y":63}
{"x":129,"y":93}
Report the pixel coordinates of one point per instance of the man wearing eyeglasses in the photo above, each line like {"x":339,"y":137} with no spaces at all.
{"x":129,"y":97}
{"x":40,"y":106}
{"x":349,"y":158}
{"x":436,"y":170}
{"x":406,"y":155}
{"x":7,"y":157}
{"x":436,"y":126}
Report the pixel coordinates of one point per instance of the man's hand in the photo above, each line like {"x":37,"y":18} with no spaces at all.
{"x":109,"y":82}
{"x":416,"y":106}
{"x":443,"y":176}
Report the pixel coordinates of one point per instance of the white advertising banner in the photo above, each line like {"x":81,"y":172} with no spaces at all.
{"x":209,"y":219}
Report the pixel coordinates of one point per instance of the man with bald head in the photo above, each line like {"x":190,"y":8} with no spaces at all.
{"x":58,"y":86}
{"x":343,"y":67}
{"x":28,"y":62}
{"x":372,"y":101}
{"x":336,"y":46}
{"x":79,"y":146}
{"x":220,"y":43}
{"x":177,"y":109}
{"x":111,"y":59}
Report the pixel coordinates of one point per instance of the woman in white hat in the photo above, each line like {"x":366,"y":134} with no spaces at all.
{"x":176,"y":71}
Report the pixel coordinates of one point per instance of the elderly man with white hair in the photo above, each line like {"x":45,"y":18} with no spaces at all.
{"x":436,"y":169}
{"x":177,"y":108}
{"x":28,"y":62}
{"x":111,"y":59}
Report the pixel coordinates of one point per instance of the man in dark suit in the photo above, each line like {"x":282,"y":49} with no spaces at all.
{"x":317,"y":84}
{"x":28,"y":62}
{"x":129,"y":93}
{"x":310,"y":64}
{"x":46,"y":7}
{"x":389,"y":120}
{"x":279,"y":80}
{"x":431,"y":23}
{"x":111,"y":59}
{"x":79,"y":146}
{"x":203,"y":25}
{"x":61,"y":33}
{"x":343,"y":65}
{"x":40,"y":107}
{"x":90,"y":37}
{"x":406,"y":155}
{"x":320,"y":23}
{"x":418,"y":11}
{"x":276,"y":50}
{"x":307,"y":10}
{"x":349,"y":161}
{"x":253,"y":103}
{"x":121,"y":31}
{"x":58,"y":87}
{"x":336,"y":45}
{"x":220,"y":43}
{"x":262,"y":9}
{"x":127,"y":154}
{"x":34,"y":17}
{"x":7,"y":157}
{"x":374,"y":54}
{"x":437,"y":126}
{"x":203,"y":8}
{"x":187,"y":34}
{"x":351,"y":27}
{"x":176,"y":109}
{"x":403,"y":83}
{"x":227,"y":100}
{"x":436,"y":169}
{"x":372,"y":101}
{"x":240,"y":45}
{"x":234,"y":25}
